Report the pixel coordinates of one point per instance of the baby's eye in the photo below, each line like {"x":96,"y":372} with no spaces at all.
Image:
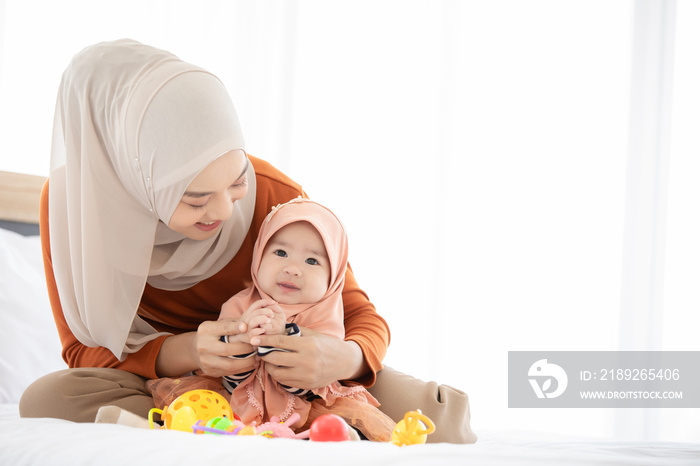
{"x":280,"y":253}
{"x":311,"y":261}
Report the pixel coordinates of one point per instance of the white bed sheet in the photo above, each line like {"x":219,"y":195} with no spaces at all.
{"x":55,"y":442}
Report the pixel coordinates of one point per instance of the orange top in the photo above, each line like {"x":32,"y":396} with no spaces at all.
{"x":183,"y":311}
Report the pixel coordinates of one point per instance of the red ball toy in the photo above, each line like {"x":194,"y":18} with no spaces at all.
{"x":329,"y":428}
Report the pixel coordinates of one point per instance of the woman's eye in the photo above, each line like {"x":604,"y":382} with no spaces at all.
{"x":311,"y":261}
{"x":197,"y":206}
{"x":280,"y":253}
{"x":241,"y":184}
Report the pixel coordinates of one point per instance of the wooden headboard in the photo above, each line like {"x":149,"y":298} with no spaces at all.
{"x":19,"y":197}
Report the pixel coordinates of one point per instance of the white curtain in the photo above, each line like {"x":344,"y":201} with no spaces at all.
{"x":490,"y":159}
{"x":679,"y":318}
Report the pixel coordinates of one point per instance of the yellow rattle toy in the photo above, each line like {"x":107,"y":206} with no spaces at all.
{"x":190,"y":407}
{"x":411,"y":430}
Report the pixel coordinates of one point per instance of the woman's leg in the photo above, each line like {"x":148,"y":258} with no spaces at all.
{"x":77,"y":394}
{"x":447,"y":407}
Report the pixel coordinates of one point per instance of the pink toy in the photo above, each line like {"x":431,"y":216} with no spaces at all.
{"x":276,"y":429}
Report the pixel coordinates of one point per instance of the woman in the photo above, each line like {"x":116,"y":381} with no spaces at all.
{"x":148,"y":225}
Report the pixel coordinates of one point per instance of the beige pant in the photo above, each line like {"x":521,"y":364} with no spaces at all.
{"x":77,"y":394}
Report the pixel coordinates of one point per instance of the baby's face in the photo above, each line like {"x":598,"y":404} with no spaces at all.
{"x":295,"y":268}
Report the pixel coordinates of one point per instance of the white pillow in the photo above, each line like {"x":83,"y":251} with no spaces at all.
{"x":29,"y":343}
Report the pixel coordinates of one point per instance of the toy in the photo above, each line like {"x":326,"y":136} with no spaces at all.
{"x":411,"y":430}
{"x":205,"y":411}
{"x":329,"y":428}
{"x":191,"y":407}
{"x":271,"y":429}
{"x":217,"y":424}
{"x":276,"y":429}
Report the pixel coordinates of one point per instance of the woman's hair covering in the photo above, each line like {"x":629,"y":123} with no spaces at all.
{"x":134,"y":125}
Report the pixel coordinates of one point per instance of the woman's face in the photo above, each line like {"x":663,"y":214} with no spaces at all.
{"x":208,"y":200}
{"x":294,"y":268}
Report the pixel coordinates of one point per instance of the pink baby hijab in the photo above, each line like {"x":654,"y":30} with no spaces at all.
{"x":327,"y":314}
{"x":134,"y":125}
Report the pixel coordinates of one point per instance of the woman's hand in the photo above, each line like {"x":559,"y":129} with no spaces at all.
{"x":313,"y":360}
{"x":203,"y":350}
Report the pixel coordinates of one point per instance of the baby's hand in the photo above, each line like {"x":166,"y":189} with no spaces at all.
{"x":264,"y":317}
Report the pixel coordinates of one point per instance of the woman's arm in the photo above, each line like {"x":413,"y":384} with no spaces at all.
{"x":365,"y":327}
{"x":203,"y":350}
{"x":313,"y":360}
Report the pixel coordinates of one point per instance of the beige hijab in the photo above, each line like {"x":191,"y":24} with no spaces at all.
{"x":133,"y":127}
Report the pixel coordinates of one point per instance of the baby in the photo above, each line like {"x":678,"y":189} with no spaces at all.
{"x":298,"y":269}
